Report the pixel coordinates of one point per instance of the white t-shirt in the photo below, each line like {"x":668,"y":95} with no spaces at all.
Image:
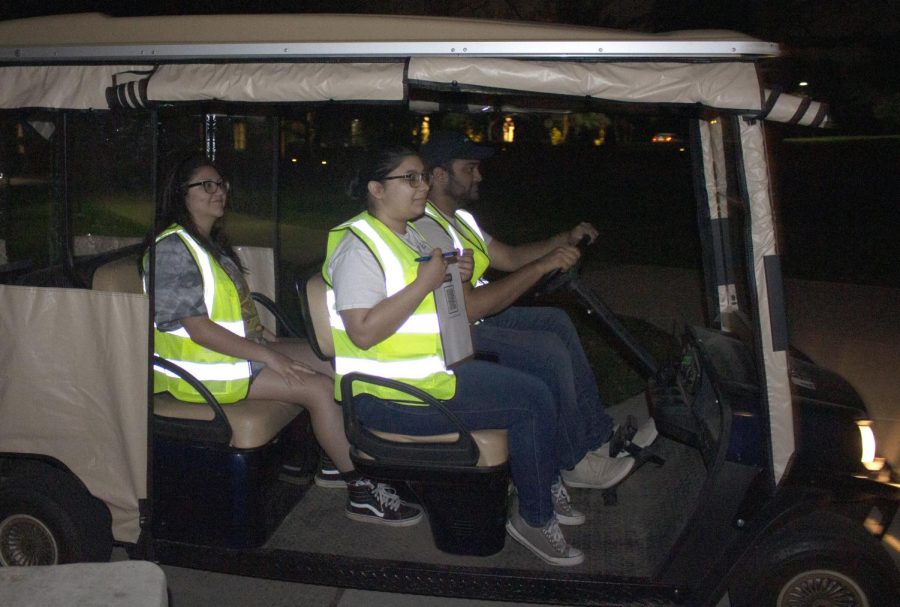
{"x":356,"y":275}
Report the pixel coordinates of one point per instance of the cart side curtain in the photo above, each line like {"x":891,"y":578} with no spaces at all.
{"x":84,"y":87}
{"x":278,"y":82}
{"x":74,"y":388}
{"x":727,"y":85}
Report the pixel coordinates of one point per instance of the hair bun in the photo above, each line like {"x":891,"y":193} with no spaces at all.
{"x":358,"y":187}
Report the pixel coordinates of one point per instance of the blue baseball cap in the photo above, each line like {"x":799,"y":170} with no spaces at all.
{"x":446,"y":146}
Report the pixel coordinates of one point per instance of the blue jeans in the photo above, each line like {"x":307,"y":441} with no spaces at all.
{"x":490,"y":396}
{"x":543,"y":342}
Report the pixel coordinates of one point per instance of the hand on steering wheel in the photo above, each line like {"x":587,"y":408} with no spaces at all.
{"x":557,"y":279}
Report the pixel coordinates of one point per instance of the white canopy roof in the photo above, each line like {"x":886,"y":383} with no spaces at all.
{"x":99,"y":37}
{"x":91,"y":61}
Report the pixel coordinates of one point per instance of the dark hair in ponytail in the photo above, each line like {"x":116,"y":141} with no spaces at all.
{"x":375,"y":166}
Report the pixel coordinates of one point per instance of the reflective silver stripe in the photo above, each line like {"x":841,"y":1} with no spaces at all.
{"x":202,"y":257}
{"x":234,"y":326}
{"x":334,"y":317}
{"x":418,"y":368}
{"x":420,"y":324}
{"x":393,"y":271}
{"x":417,"y":324}
{"x":457,"y":243}
{"x":209,"y":288}
{"x":469,"y":219}
{"x":212,"y":371}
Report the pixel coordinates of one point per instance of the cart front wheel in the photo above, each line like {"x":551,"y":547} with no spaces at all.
{"x":824,"y":561}
{"x":822,"y":588}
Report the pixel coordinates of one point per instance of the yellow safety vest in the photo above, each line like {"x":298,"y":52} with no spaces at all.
{"x":413,"y":355}
{"x":226,"y":377}
{"x":466,"y":236}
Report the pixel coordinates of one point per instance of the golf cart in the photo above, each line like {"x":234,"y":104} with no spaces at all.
{"x":764,"y":496}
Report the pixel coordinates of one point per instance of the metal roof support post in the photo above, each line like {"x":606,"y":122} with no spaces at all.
{"x":771,"y":331}
{"x":210,"y":136}
{"x":276,"y":126}
{"x":145,"y":505}
{"x":716,"y":196}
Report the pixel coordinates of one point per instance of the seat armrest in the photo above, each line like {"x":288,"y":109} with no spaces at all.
{"x":272,"y":307}
{"x":463,"y":452}
{"x":216,"y":431}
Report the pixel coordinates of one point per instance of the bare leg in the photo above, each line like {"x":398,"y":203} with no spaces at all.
{"x":367,"y":500}
{"x":299,"y":349}
{"x":316,"y":395}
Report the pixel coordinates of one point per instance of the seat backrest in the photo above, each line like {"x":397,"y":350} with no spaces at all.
{"x":313,"y":294}
{"x":120,"y":275}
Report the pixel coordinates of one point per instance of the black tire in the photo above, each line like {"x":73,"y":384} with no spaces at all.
{"x":824,"y":560}
{"x":48,"y":518}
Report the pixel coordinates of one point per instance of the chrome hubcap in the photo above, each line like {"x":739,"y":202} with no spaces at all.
{"x":25,"y":541}
{"x":822,"y":588}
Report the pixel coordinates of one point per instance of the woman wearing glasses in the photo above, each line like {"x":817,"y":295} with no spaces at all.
{"x":384,"y":323}
{"x":207,"y":322}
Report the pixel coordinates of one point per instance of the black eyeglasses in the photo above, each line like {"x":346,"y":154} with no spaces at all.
{"x":413,"y":178}
{"x":210,"y":186}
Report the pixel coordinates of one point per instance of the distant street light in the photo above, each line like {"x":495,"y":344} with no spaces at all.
{"x":803,"y":83}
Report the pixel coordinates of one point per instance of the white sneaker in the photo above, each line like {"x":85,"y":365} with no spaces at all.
{"x":566,"y":514}
{"x":598,"y":472}
{"x":643,"y":437}
{"x":546,"y":542}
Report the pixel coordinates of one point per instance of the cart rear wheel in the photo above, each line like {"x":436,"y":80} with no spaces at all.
{"x":26,"y":540}
{"x":47,"y":518}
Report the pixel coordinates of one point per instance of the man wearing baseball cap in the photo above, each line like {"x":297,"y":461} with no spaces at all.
{"x":538,"y":340}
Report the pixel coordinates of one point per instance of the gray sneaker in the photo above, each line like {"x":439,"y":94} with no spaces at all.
{"x":643,"y":437}
{"x":598,"y":472}
{"x":566,"y":514}
{"x":546,"y":542}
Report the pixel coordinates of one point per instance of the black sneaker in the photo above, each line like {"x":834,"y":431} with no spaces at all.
{"x":370,"y":502}
{"x":294,"y":473}
{"x":328,"y":475}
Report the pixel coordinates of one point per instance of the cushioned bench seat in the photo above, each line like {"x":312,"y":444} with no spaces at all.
{"x":253,"y":422}
{"x":492,"y":444}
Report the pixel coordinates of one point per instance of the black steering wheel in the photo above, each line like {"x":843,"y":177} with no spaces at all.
{"x":635,"y":353}
{"x":558,"y":279}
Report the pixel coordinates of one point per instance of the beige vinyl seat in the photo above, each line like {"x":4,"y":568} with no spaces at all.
{"x":461,"y":478}
{"x":226,"y":455}
{"x":491,"y":444}
{"x":253,"y":423}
